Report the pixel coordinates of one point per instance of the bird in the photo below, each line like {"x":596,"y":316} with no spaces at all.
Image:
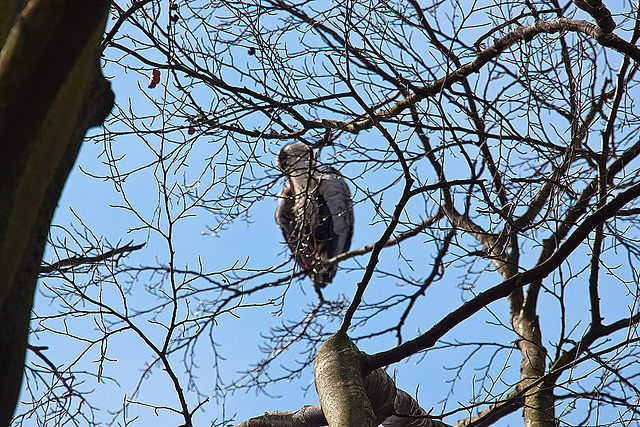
{"x":315,"y":212}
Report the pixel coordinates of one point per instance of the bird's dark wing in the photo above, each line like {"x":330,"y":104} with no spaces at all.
{"x":335,"y":194}
{"x":286,"y":218}
{"x":318,"y":227}
{"x":296,"y":228}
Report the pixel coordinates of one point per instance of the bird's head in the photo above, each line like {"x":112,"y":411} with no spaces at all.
{"x":295,"y":160}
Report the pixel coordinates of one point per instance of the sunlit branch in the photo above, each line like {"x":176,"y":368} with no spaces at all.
{"x":503,"y":289}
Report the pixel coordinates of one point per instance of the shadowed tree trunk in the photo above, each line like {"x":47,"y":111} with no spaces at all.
{"x":51,"y":93}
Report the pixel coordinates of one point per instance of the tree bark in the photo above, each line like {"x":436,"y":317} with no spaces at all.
{"x":538,"y":400}
{"x":340,"y":385}
{"x":347,"y":399}
{"x":51,"y":93}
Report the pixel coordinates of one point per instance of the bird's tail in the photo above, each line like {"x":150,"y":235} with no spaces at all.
{"x":324,"y":275}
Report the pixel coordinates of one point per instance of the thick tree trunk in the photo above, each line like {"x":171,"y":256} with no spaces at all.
{"x":347,"y":398}
{"x":538,"y":399}
{"x":51,"y":93}
{"x":339,"y":381}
